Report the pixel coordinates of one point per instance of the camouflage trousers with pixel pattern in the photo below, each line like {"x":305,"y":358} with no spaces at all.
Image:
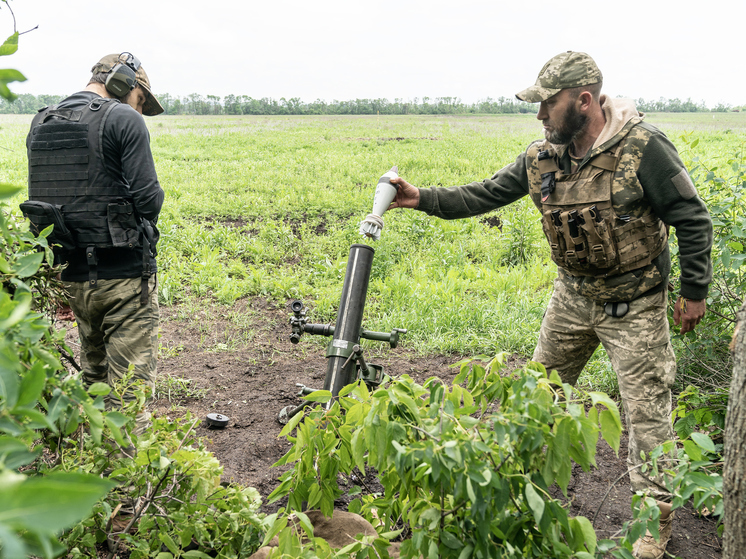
{"x":639,"y":348}
{"x":117,"y":331}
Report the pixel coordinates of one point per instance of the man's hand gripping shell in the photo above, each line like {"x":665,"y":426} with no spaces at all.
{"x":407,"y":196}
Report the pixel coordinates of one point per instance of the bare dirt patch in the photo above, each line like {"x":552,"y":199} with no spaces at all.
{"x":249,"y":373}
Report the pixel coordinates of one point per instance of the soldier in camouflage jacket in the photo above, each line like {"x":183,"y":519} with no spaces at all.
{"x":608,"y":186}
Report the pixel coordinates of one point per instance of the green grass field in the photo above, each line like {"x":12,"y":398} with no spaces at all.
{"x":269,"y":206}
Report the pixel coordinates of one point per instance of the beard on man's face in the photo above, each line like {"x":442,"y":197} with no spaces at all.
{"x":565,"y":131}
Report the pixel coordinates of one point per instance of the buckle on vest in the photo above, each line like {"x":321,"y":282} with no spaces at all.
{"x":547,"y":185}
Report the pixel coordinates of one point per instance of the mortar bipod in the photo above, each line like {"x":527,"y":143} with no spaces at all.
{"x":342,"y":355}
{"x":371,"y":374}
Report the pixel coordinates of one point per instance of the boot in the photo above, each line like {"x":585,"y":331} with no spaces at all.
{"x":647,"y":547}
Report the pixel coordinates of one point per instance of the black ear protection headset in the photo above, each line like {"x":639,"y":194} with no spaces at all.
{"x":122,"y":78}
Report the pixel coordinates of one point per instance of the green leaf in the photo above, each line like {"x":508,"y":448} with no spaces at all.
{"x":14,"y":454}
{"x":349,"y":548}
{"x":276,"y":525}
{"x":8,"y":75}
{"x":611,"y":429}
{"x":292,"y":424}
{"x":449,"y":540}
{"x":196,"y":554}
{"x":10,"y":45}
{"x":601,"y":398}
{"x":115,"y":431}
{"x":466,"y":552}
{"x":322,"y":396}
{"x":52,"y":503}
{"x":37,"y":420}
{"x":94,"y":415}
{"x":32,"y":385}
{"x":9,"y":190}
{"x":169,"y":542}
{"x":358,"y":450}
{"x":588,"y":535}
{"x":28,"y":264}
{"x":99,"y":389}
{"x":692,"y":450}
{"x":117,"y":419}
{"x":13,"y":546}
{"x":703,"y":441}
{"x":431,"y":516}
{"x":685,"y":426}
{"x":9,"y":387}
{"x":305,"y":523}
{"x":20,"y":311}
{"x":535,"y":502}
{"x":347,"y":389}
{"x":391,"y":535}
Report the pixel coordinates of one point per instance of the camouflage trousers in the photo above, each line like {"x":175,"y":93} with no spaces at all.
{"x":116,"y":331}
{"x":640,"y":352}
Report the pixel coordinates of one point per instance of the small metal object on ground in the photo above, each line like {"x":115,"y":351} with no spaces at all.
{"x":216,"y":420}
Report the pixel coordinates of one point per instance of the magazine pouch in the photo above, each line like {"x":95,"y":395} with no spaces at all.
{"x":123,"y":225}
{"x":42,"y":215}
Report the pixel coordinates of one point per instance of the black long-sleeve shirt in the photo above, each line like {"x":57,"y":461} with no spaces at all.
{"x":127,"y":155}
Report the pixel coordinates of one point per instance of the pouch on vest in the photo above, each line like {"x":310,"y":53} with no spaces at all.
{"x":122,"y":222}
{"x":602,"y":251}
{"x":553,"y":231}
{"x":42,"y":215}
{"x":576,"y":255}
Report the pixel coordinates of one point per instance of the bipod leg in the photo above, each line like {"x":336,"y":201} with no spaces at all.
{"x":288,"y":412}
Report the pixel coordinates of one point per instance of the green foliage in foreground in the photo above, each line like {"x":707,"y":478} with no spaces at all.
{"x":466,"y":469}
{"x":172,"y":499}
{"x":38,"y":405}
{"x":10,"y":46}
{"x":56,"y":439}
{"x":704,"y":357}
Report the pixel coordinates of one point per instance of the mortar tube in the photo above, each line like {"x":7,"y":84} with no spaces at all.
{"x":349,"y":319}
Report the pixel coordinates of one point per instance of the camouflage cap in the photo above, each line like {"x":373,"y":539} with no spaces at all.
{"x":564,"y":71}
{"x":151,"y":107}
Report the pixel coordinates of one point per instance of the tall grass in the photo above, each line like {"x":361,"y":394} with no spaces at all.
{"x":269,"y":206}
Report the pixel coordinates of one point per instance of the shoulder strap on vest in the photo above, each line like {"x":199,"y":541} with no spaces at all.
{"x":605,"y":161}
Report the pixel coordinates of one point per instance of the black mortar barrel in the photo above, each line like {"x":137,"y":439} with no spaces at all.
{"x":349,"y":320}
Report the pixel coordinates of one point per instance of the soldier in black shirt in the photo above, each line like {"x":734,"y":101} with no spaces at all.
{"x":92,"y":171}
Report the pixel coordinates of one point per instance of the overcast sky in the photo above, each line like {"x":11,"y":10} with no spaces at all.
{"x":347,"y":49}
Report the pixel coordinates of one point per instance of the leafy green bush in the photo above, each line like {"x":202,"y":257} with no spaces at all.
{"x":703,"y":357}
{"x":39,"y":403}
{"x":169,"y":502}
{"x":694,"y":475}
{"x":466,"y":469}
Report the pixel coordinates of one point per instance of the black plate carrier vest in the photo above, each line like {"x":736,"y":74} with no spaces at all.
{"x":68,"y":180}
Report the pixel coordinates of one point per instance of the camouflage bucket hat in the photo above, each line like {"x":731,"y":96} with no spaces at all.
{"x":564,"y":71}
{"x":152,"y":107}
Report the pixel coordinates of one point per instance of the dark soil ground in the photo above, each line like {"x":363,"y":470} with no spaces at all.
{"x":251,"y":382}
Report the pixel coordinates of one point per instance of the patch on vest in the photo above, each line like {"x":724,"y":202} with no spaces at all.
{"x":684,"y":185}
